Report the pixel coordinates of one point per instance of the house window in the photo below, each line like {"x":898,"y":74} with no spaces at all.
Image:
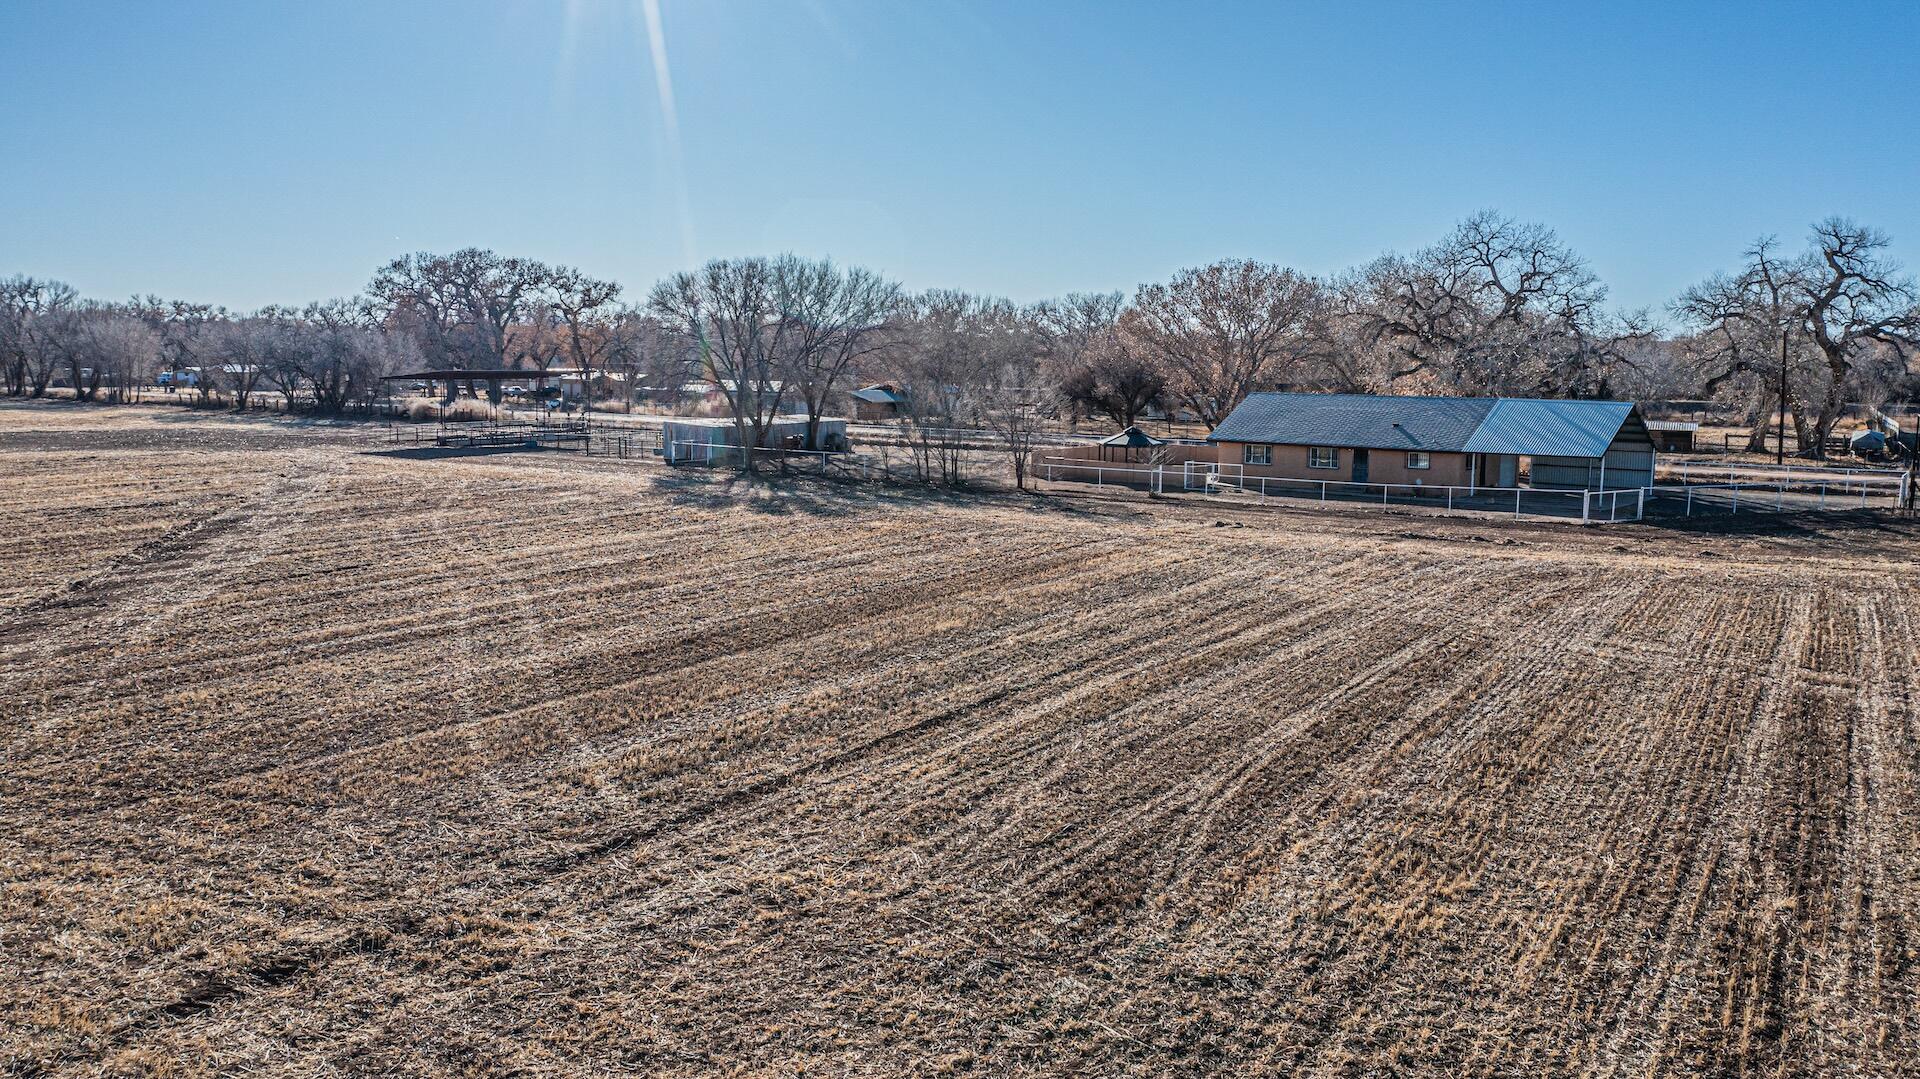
{"x":1323,"y":457}
{"x":1256,"y":455}
{"x":1418,"y":460}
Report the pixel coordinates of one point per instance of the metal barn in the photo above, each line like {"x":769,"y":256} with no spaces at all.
{"x":717,"y":441}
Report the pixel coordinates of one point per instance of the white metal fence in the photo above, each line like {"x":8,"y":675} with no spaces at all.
{"x":1779,"y":495}
{"x":1617,"y":505}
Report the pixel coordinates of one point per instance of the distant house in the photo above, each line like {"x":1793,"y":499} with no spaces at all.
{"x":878,"y":403}
{"x":1441,"y":441}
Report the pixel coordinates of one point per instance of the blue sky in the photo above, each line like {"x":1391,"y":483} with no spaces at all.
{"x":248,"y":153}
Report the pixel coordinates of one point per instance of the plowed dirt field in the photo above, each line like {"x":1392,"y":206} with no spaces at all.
{"x":321,"y":759}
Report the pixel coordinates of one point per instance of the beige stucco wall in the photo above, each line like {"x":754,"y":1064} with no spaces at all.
{"x":1383,"y":466}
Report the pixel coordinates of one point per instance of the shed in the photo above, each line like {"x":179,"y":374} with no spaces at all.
{"x":717,"y":441}
{"x":878,"y":403}
{"x":1672,"y":436}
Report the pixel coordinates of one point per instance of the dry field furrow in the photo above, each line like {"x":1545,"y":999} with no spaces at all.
{"x":325,"y":760}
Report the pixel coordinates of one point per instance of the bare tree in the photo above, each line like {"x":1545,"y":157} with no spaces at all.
{"x":417,"y":295}
{"x":33,"y":315}
{"x":584,"y":306}
{"x":834,"y":319}
{"x":121,"y":352}
{"x":1225,"y":330}
{"x":17,"y":299}
{"x":1804,"y":332}
{"x":344,"y":348}
{"x":460,"y":308}
{"x":1854,"y":304}
{"x":184,"y":330}
{"x":1088,"y":366}
{"x":1748,"y":338}
{"x":956,"y":354}
{"x":1114,"y":378}
{"x":1498,"y":306}
{"x":1018,"y":415}
{"x":731,"y":309}
{"x":659,"y":357}
{"x":244,"y":347}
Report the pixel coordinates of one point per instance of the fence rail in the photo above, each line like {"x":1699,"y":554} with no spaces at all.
{"x":1782,"y":495}
{"x":1606,"y":507}
{"x":1694,"y":473}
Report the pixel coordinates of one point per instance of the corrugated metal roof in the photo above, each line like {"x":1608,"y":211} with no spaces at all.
{"x":1355,"y":419}
{"x":877,"y":395}
{"x":1521,"y":426}
{"x":1550,"y":428}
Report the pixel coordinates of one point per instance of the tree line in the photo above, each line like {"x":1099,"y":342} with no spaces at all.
{"x":1496,"y":306}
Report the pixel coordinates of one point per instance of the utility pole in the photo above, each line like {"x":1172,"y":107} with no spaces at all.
{"x":1780,"y":450}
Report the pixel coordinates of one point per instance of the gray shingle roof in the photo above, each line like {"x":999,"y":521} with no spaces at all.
{"x":1511,"y":425}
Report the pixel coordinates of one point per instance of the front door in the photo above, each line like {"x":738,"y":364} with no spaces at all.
{"x":1359,"y":466}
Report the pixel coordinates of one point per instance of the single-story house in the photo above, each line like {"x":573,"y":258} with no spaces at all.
{"x":1437,"y":441}
{"x":1672,"y":436}
{"x":879,"y":403}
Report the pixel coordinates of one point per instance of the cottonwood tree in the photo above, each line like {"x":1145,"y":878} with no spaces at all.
{"x":1114,"y":378}
{"x":1089,"y":362}
{"x":184,"y":330}
{"x":33,"y":313}
{"x":495,"y":290}
{"x":1224,"y":330}
{"x":244,"y":349}
{"x":1828,"y":323}
{"x":66,"y":335}
{"x":345,"y":347}
{"x":103,"y":346}
{"x":1069,"y":329}
{"x":537,"y":340}
{"x":16,"y":306}
{"x":1498,"y":306}
{"x":1747,"y":337}
{"x":416,"y":295}
{"x":662,"y":359}
{"x":836,"y":317}
{"x":584,"y":307}
{"x":730,"y":309}
{"x":283,"y":349}
{"x":121,"y":352}
{"x":957,"y":355}
{"x":1856,"y":306}
{"x":460,"y":308}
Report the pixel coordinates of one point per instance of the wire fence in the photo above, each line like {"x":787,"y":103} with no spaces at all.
{"x":1604,"y":507}
{"x":1840,"y":477}
{"x":1781,"y":495}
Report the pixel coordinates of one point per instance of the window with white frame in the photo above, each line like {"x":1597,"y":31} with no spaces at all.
{"x":1323,"y":457}
{"x":1419,"y":460}
{"x":1256,"y":455}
